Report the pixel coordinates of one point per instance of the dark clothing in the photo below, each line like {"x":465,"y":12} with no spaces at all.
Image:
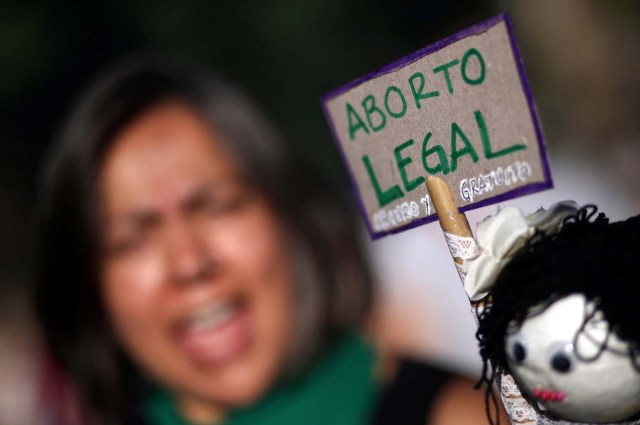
{"x":408,"y":399}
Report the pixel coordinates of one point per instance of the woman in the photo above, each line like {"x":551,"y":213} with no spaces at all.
{"x":192,"y":271}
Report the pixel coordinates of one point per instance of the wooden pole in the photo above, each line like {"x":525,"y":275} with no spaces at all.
{"x":454,"y":224}
{"x":463,"y":246}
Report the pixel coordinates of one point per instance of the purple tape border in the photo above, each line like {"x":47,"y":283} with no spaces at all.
{"x":474,"y":30}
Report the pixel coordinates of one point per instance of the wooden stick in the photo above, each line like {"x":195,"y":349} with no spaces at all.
{"x":455,"y":223}
{"x":452,"y":221}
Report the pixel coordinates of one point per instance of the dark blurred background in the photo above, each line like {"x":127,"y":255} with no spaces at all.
{"x":582,"y":58}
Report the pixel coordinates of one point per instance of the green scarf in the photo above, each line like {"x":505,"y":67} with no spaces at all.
{"x":339,"y":390}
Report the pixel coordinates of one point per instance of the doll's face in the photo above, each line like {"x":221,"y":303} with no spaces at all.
{"x":564,"y":374}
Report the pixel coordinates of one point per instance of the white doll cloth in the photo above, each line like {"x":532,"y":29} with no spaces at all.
{"x":501,"y":237}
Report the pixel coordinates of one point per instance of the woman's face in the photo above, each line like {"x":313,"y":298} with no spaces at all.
{"x":195,"y":274}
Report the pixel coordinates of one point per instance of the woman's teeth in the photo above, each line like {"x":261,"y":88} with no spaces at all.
{"x":211,"y":316}
{"x":216,"y":333}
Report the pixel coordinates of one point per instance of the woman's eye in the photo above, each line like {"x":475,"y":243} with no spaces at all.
{"x":226,"y":205}
{"x":124,"y":246}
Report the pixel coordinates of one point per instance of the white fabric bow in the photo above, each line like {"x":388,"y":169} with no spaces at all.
{"x":502,"y":236}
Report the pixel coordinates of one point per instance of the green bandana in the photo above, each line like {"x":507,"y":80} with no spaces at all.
{"x":339,"y":390}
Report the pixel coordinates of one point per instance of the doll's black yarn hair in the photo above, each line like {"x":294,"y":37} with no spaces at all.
{"x":588,"y":256}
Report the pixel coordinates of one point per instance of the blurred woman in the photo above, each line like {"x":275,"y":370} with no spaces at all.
{"x":194,"y":272}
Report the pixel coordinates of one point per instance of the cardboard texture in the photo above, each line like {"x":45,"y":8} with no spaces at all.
{"x":460,"y":109}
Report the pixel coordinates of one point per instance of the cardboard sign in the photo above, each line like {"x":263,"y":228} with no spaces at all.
{"x":460,"y":109}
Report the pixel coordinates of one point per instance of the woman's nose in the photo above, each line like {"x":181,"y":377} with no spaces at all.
{"x":189,"y":257}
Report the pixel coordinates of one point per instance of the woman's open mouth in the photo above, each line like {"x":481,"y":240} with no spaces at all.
{"x":548,"y":395}
{"x":216,"y":333}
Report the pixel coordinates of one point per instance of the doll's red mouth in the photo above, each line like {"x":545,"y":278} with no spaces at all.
{"x":548,"y":395}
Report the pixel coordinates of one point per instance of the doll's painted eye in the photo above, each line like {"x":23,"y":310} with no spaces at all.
{"x":519,"y":352}
{"x":561,"y":357}
{"x":516,"y":349}
{"x":561,"y":363}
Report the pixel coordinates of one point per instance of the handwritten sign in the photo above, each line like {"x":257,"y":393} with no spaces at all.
{"x":460,"y":109}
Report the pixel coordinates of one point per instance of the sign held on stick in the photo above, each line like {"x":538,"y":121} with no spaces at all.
{"x":460,"y":109}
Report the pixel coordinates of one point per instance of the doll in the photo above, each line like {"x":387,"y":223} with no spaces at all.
{"x":561,"y":315}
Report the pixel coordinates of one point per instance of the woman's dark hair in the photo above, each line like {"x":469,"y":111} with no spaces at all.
{"x":332,"y":282}
{"x":588,"y":256}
